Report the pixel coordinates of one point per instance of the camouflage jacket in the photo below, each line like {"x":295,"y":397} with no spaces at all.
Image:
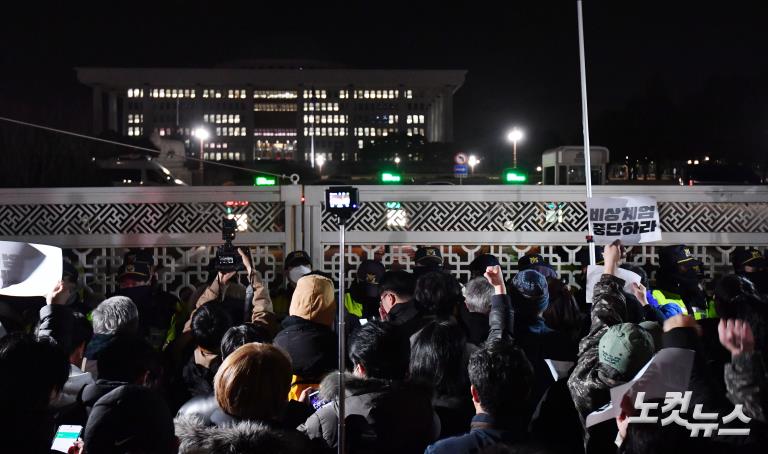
{"x":746,"y":381}
{"x":590,"y":382}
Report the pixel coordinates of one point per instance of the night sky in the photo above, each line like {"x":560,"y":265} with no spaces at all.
{"x":663,"y":81}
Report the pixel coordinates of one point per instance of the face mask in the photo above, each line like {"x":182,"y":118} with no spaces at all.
{"x":298,"y":272}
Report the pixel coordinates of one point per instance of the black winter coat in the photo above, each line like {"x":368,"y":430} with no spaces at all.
{"x":312,"y":347}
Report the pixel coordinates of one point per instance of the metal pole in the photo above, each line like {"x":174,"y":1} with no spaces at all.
{"x":312,"y":137}
{"x":514,"y":154}
{"x":585,"y":123}
{"x":200,"y":164}
{"x":342,"y":439}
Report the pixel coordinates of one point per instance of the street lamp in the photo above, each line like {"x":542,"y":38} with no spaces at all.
{"x":397,"y":161}
{"x":473,"y":161}
{"x":202,"y":135}
{"x":320,"y":160}
{"x":514,"y":136}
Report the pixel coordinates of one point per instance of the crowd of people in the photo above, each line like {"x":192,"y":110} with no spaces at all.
{"x":498,"y":364}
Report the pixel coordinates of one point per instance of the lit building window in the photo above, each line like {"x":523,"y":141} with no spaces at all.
{"x":409,"y":94}
{"x":274,"y":132}
{"x":270,"y":107}
{"x":360,"y":144}
{"x":236,"y":94}
{"x":321,"y":106}
{"x":376,"y":94}
{"x":222,"y":118}
{"x":315,"y":94}
{"x":274,"y":94}
{"x":135,"y":131}
{"x":135,"y":118}
{"x":211,"y":93}
{"x":343,"y":94}
{"x":135,"y":92}
{"x":170,"y":93}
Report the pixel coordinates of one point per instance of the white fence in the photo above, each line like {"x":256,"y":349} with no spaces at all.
{"x":183,"y":224}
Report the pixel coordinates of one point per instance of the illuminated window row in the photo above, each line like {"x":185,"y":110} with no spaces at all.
{"x":210,"y":93}
{"x":415,"y":119}
{"x":374,"y":132}
{"x":216,"y":145}
{"x":335,"y":119}
{"x":321,"y":106}
{"x":416,"y":132}
{"x":236,"y":94}
{"x":333,"y":132}
{"x":135,"y":131}
{"x":221,"y":118}
{"x":274,"y":132}
{"x":377,"y":94}
{"x":172,"y":93}
{"x":316,"y":94}
{"x":218,"y":155}
{"x":135,"y":92}
{"x":164,"y":131}
{"x":343,"y":94}
{"x":274,"y":94}
{"x":135,"y":118}
{"x":230,"y":131}
{"x":391,"y":119}
{"x":267,"y":107}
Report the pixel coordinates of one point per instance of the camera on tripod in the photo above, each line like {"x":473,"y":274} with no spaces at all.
{"x":228,"y":259}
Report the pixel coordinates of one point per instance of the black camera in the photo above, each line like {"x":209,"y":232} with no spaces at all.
{"x":227,"y":257}
{"x":342,"y":201}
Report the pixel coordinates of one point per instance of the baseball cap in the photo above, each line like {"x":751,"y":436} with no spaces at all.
{"x":626,"y":348}
{"x":429,"y":255}
{"x":529,"y":261}
{"x":747,"y":257}
{"x":297,"y":258}
{"x":130,"y":418}
{"x":139,"y":271}
{"x":481,"y":262}
{"x":678,"y":254}
{"x":369,"y":273}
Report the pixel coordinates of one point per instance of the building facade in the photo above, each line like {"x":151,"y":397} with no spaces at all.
{"x":273,"y":111}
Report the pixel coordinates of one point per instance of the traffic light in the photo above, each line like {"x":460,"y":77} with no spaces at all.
{"x":389,"y":177}
{"x":514,"y":176}
{"x":261,"y":180}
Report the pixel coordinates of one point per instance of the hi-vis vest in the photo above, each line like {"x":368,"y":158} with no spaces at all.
{"x":352,"y":306}
{"x":672,"y":298}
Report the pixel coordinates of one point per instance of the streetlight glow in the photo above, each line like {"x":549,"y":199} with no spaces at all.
{"x":320,"y":160}
{"x":397,"y":160}
{"x":515,"y":135}
{"x":201,"y":134}
{"x":473,"y":161}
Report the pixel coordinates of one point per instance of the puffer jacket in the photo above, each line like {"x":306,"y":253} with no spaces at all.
{"x":196,"y":437}
{"x":381,"y":416}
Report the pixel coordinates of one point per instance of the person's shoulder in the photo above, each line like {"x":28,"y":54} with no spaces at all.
{"x":457,"y":444}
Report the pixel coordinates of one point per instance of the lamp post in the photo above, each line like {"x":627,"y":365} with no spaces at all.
{"x":202,"y":135}
{"x":472,"y":161}
{"x":397,"y":161}
{"x":514,"y":136}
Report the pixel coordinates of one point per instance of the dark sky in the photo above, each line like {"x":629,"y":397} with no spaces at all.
{"x":658,"y":75}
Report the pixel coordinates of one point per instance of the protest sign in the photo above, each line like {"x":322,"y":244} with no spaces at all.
{"x":633,"y":220}
{"x":28,"y":269}
{"x":595,"y":271}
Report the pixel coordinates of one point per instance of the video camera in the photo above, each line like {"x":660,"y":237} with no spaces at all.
{"x":227,"y":257}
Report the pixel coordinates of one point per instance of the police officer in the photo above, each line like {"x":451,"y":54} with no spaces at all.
{"x":751,"y":264}
{"x":362,"y":298}
{"x":679,"y":281}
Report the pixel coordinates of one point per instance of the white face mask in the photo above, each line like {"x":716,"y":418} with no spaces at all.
{"x":298,"y":272}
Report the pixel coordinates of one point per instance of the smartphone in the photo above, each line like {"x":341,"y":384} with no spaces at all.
{"x":316,"y":401}
{"x":66,"y":437}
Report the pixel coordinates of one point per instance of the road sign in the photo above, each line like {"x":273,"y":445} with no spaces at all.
{"x":460,"y":158}
{"x":460,"y":170}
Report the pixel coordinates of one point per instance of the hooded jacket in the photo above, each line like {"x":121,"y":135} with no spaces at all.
{"x":244,"y":436}
{"x":307,"y":336}
{"x":381,"y":416}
